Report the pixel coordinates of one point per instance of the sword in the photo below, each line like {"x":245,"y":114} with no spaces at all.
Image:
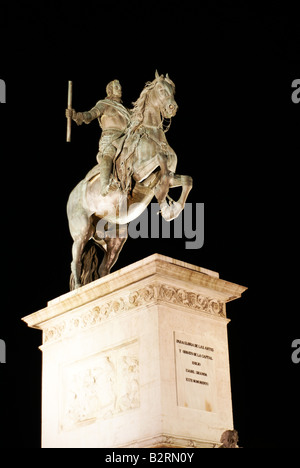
{"x":69,"y":121}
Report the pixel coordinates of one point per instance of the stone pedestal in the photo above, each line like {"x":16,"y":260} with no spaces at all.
{"x":138,"y":359}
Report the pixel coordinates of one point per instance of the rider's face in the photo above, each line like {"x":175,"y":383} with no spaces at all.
{"x":117,"y":90}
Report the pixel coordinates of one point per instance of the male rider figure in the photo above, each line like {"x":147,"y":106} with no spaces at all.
{"x":113,"y":119}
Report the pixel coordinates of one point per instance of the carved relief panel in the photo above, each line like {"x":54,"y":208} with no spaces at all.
{"x":100,"y":386}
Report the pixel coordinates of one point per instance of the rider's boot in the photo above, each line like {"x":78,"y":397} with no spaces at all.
{"x":105,"y":173}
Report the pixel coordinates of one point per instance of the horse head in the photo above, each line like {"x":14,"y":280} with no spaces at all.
{"x":162,"y":95}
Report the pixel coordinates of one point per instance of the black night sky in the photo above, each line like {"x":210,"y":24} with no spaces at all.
{"x":236,"y":133}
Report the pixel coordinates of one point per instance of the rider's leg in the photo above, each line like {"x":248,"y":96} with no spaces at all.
{"x":105,"y":170}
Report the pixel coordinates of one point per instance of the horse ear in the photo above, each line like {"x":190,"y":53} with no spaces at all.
{"x":156,"y":74}
{"x":168,"y":79}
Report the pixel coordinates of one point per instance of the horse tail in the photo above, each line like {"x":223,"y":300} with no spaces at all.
{"x":90,"y":263}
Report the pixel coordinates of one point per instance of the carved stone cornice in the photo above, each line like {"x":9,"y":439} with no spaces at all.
{"x":154,"y":268}
{"x":148,"y":295}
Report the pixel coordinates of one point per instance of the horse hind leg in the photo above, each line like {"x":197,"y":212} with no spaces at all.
{"x":80,"y":240}
{"x":77,"y":249}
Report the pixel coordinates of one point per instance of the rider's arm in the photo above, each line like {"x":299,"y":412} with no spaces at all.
{"x":87,"y":117}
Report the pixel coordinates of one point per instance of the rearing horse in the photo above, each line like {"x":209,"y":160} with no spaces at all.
{"x":145,"y":168}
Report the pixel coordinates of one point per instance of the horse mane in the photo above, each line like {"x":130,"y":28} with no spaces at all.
{"x":137,"y":112}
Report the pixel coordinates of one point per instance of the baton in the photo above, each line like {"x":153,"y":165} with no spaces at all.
{"x":69,"y":122}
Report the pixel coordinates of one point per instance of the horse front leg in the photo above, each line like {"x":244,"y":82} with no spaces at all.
{"x":170,"y":212}
{"x":184,"y":181}
{"x":162,"y":189}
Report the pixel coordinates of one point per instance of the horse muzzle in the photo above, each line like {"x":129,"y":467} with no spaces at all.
{"x":170,"y":110}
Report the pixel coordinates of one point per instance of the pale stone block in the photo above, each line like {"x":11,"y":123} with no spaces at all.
{"x":138,"y":359}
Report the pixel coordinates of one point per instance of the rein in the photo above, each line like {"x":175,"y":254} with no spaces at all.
{"x":167,"y":128}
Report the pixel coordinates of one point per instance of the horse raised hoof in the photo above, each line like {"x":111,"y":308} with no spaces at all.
{"x":170,"y":212}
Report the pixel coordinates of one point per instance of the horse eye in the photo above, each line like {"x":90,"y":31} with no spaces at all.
{"x":163,"y":92}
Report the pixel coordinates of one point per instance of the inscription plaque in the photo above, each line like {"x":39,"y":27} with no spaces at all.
{"x":195,"y":372}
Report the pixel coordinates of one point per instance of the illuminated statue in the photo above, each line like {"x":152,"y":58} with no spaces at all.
{"x":135,"y":164}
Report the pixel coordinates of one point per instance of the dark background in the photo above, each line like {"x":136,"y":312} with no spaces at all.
{"x":236,"y":133}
